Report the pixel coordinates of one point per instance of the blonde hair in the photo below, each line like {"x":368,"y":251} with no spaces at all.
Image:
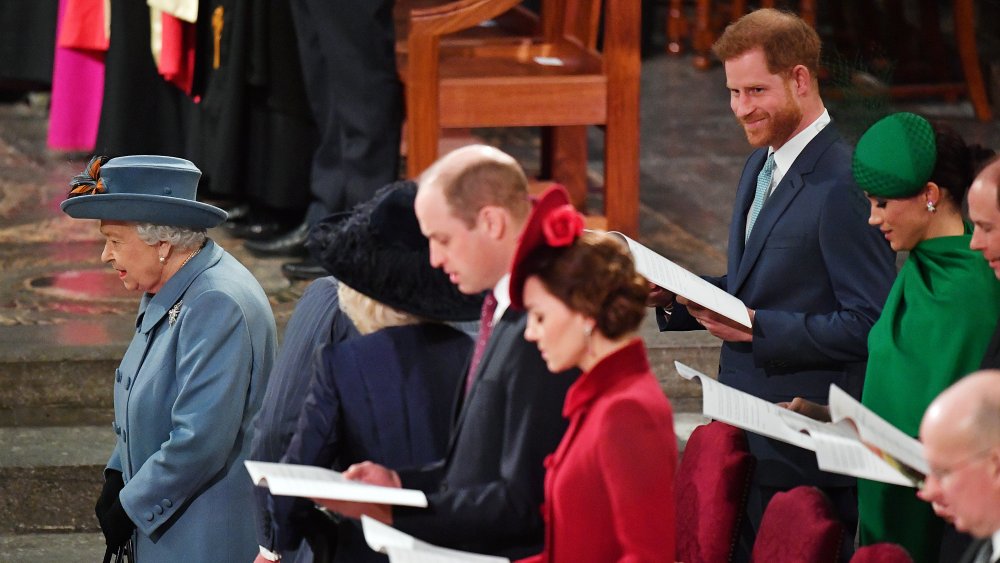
{"x":369,"y":315}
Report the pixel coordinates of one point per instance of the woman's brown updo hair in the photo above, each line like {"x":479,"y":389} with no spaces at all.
{"x":594,"y":276}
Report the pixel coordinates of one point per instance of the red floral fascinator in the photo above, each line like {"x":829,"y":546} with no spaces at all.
{"x":553,"y":223}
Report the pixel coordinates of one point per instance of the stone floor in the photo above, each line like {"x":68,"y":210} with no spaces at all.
{"x":63,"y":315}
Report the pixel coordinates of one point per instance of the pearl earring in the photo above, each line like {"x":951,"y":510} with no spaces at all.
{"x":163,"y":259}
{"x":931,"y":207}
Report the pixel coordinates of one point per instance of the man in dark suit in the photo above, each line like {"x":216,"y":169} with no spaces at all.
{"x":485,"y":495}
{"x":984,"y":211}
{"x":348,"y":57}
{"x":812,"y":273}
{"x":961,"y":436}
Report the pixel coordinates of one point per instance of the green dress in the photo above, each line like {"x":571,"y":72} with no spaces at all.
{"x":936,"y":324}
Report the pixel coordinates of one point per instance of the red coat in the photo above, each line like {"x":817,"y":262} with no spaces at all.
{"x":609,"y":487}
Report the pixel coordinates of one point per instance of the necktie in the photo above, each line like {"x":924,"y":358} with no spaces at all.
{"x":763,"y":187}
{"x":985,"y":553}
{"x":485,"y":329}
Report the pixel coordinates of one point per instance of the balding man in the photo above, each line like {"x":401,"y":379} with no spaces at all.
{"x":961,"y":436}
{"x":984,"y":211}
{"x":485,"y":496}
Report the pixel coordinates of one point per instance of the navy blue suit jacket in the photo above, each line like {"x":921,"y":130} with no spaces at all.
{"x":817,"y":276}
{"x":382,"y":397}
{"x":316,"y":322}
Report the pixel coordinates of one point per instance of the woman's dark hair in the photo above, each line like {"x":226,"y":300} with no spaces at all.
{"x":957,"y":163}
{"x":594,"y":276}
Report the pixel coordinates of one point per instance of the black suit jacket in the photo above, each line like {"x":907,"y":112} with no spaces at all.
{"x":486,"y":494}
{"x":817,"y":275}
{"x":991,"y":359}
{"x":970,"y":554}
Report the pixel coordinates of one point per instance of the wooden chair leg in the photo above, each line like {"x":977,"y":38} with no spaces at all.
{"x":965,"y":35}
{"x":677,"y":27}
{"x":703,"y":35}
{"x":564,"y":159}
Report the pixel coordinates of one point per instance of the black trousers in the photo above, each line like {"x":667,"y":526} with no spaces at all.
{"x":347,"y":48}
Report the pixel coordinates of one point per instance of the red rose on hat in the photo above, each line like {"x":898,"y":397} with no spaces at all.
{"x":562,"y":226}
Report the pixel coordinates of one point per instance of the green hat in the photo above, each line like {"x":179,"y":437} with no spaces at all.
{"x":896,"y":156}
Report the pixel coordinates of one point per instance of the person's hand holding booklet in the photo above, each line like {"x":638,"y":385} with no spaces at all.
{"x":856,"y":442}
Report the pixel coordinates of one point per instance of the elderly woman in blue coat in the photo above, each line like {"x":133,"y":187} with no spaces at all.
{"x":192,"y":377}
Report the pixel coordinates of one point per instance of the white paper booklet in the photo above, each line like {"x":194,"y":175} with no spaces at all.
{"x":404,"y":548}
{"x":839,"y":446}
{"x":317,"y":482}
{"x":672,"y":277}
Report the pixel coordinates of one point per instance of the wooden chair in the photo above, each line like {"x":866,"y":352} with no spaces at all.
{"x":555,"y":79}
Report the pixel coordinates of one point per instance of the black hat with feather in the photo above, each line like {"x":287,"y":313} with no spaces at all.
{"x":378,"y":250}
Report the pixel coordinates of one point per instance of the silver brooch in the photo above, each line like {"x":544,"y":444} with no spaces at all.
{"x":173,"y":312}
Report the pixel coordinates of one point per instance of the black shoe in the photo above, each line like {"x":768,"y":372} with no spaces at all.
{"x":237,"y":212}
{"x":288,"y":244}
{"x":308,"y":269}
{"x":257,"y":228}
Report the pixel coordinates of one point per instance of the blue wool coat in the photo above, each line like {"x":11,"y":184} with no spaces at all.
{"x":185,"y":394}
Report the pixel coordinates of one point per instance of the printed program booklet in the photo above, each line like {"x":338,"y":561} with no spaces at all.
{"x":857,"y":442}
{"x":404,"y":548}
{"x":667,"y":274}
{"x":286,"y":479}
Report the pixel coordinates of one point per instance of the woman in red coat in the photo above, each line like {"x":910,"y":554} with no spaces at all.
{"x":609,"y":485}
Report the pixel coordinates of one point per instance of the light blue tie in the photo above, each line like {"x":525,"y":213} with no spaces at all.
{"x":763,"y":187}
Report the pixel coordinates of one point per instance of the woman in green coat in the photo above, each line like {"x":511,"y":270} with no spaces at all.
{"x":941,"y":311}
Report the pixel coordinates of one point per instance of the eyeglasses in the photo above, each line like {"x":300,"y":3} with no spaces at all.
{"x":942,"y":473}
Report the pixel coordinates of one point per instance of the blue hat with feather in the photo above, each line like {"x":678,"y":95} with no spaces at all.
{"x":161,"y":190}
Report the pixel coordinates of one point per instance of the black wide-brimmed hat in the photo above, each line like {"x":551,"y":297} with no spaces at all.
{"x":378,"y":250}
{"x":161,"y":190}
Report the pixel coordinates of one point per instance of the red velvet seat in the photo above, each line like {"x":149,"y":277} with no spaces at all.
{"x":798,"y":525}
{"x":882,"y":553}
{"x":711,"y":493}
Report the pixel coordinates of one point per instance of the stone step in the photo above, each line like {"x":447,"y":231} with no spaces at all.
{"x":60,"y":374}
{"x":42,"y":384}
{"x":52,"y":547}
{"x":50,"y":477}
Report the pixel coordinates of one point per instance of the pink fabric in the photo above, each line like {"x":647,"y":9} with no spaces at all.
{"x":77,"y":81}
{"x":177,"y":52}
{"x":798,"y":525}
{"x":712,"y":483}
{"x":881,"y":553}
{"x":485,"y":330}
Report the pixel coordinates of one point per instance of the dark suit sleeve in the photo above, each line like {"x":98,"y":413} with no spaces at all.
{"x":860,"y":269}
{"x":506,"y":509}
{"x":316,"y":321}
{"x":316,"y":442}
{"x":679,"y":319}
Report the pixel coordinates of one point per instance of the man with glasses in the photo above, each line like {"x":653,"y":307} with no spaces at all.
{"x":961,"y":436}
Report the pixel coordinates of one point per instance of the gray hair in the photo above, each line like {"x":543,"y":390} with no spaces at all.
{"x":182,"y":238}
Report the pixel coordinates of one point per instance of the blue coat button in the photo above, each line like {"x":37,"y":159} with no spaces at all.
{"x":148,"y":516}
{"x":158,"y":509}
{"x":128,"y":383}
{"x":167,"y":503}
{"x":118,"y":375}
